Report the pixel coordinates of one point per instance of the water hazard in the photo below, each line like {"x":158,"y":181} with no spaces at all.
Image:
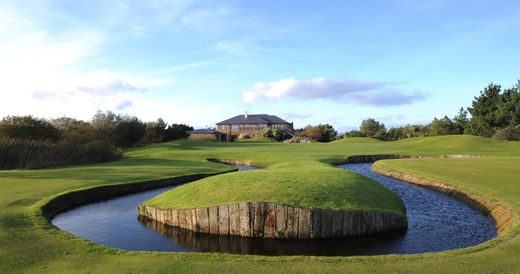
{"x":436,"y":223}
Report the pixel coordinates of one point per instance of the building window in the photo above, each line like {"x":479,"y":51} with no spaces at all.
{"x":235,"y":127}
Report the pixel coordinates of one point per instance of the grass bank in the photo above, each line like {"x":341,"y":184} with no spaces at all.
{"x":30,"y":244}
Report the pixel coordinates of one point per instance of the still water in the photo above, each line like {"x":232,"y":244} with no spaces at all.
{"x":436,"y":222}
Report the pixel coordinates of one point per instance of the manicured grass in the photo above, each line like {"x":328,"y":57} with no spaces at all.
{"x":258,"y":140}
{"x":498,"y":177}
{"x":30,"y":244}
{"x":305,"y":184}
{"x":361,"y":140}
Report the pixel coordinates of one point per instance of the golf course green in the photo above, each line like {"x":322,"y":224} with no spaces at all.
{"x":304,"y":184}
{"x":29,"y":243}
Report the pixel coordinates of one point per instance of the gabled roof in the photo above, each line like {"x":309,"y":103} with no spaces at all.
{"x":254,"y":119}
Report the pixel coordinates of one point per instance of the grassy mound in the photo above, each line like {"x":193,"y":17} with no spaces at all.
{"x":305,"y":184}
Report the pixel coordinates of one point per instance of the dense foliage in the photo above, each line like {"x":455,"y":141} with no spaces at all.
{"x":494,"y":113}
{"x":319,"y":133}
{"x":494,"y":109}
{"x":510,"y":133}
{"x":29,"y":142}
{"x":276,"y":134}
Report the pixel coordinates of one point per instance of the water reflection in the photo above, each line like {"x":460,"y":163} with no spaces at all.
{"x":202,"y":242}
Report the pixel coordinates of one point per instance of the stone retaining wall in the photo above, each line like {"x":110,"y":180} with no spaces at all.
{"x":504,"y":218}
{"x":270,"y":220}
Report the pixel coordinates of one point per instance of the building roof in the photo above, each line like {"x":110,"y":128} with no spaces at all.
{"x":254,"y":119}
{"x":203,"y":131}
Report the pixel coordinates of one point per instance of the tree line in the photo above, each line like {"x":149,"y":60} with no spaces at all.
{"x":494,"y":113}
{"x":32,"y":142}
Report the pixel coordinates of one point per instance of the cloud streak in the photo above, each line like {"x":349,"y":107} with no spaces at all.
{"x":372,"y":93}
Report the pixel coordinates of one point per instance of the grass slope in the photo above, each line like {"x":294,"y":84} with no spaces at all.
{"x":30,"y":244}
{"x":258,"y":140}
{"x":305,"y":184}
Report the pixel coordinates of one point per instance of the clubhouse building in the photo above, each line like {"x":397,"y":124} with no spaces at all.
{"x":252,"y":125}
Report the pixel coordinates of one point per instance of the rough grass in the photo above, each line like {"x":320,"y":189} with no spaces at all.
{"x":28,"y":243}
{"x":305,"y":184}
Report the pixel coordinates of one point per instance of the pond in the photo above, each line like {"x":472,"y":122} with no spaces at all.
{"x":436,"y":222}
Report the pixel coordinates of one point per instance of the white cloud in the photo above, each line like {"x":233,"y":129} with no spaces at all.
{"x":122,"y":105}
{"x":42,"y":75}
{"x":347,"y":91}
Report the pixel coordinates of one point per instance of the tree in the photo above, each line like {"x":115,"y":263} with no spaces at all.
{"x":395,"y":133}
{"x":129,"y":131}
{"x":461,"y":121}
{"x":354,"y":133}
{"x":411,"y":131}
{"x":104,"y":125}
{"x":177,"y":131}
{"x":328,"y":133}
{"x":312,"y":132}
{"x":443,"y":126}
{"x":28,"y":128}
{"x":320,"y":133}
{"x":494,"y":110}
{"x":123,"y":131}
{"x":372,"y":128}
{"x":160,"y":128}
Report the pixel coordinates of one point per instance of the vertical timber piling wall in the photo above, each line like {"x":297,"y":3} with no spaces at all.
{"x":271,"y":220}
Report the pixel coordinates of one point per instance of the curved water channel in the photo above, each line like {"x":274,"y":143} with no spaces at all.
{"x":436,"y":222}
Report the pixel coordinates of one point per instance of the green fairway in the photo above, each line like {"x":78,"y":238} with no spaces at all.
{"x":30,"y":244}
{"x":257,"y":140}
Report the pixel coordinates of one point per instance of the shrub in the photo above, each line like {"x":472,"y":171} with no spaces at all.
{"x":267,"y":132}
{"x":510,"y":133}
{"x":18,"y":153}
{"x":202,"y":137}
{"x":320,"y":133}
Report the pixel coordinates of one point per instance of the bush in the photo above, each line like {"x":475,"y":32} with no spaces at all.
{"x":29,"y":142}
{"x":510,"y":133}
{"x":267,"y":132}
{"x":443,"y":126}
{"x":320,"y":133}
{"x":203,"y":137}
{"x":17,"y":153}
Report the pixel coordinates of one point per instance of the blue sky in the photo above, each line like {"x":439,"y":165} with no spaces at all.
{"x":199,"y":62}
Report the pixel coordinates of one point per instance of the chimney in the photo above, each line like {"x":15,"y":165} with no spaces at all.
{"x":245,"y":115}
